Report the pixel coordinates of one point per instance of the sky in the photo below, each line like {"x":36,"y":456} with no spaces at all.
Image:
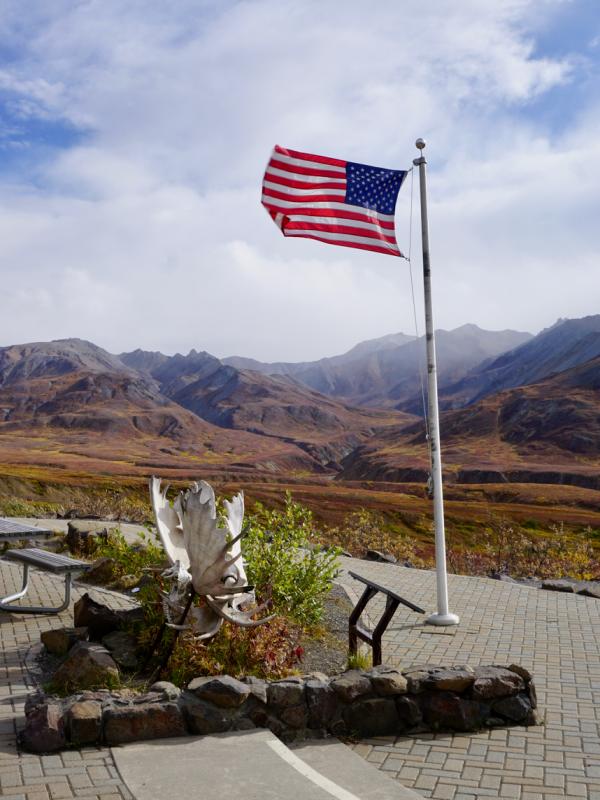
{"x":134,"y":135}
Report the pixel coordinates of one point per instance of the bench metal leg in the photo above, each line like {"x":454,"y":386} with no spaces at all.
{"x":355,"y":630}
{"x":6,"y":602}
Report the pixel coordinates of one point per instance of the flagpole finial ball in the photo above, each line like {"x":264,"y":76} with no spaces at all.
{"x":420,"y":143}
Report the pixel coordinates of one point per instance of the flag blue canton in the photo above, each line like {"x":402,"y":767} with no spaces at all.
{"x":372,"y":187}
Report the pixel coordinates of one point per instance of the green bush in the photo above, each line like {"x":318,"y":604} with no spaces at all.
{"x":131,"y":559}
{"x":284,"y":564}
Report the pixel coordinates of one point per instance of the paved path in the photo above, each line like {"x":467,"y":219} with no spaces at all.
{"x":555,"y":635}
{"x":89,"y":773}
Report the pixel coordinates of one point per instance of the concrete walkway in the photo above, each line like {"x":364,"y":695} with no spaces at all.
{"x":89,"y":773}
{"x":555,"y":635}
{"x":254,"y":765}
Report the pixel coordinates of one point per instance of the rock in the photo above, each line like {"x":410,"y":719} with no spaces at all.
{"x":122,"y":647}
{"x":377,"y":717}
{"x":44,"y":730}
{"x":590,"y":590}
{"x":524,"y":673}
{"x":82,"y":537}
{"x":100,"y":619}
{"x":491,"y":682}
{"x":243,"y":724}
{"x":409,"y":712}
{"x":451,"y":679}
{"x":417,"y":679}
{"x":133,"y":723}
{"x":514,"y":708}
{"x":168,"y":690}
{"x":96,"y":617}
{"x":203,"y":718}
{"x":447,"y":711}
{"x":222,"y":691}
{"x":350,"y":685}
{"x":534,"y":718}
{"x":557,"y":586}
{"x":84,"y":723}
{"x":87,"y":666}
{"x":288,"y":692}
{"x":502,"y":576}
{"x":383,"y":558}
{"x":258,"y":687}
{"x":387,"y":681}
{"x":532,"y":694}
{"x":294,"y":716}
{"x":101,"y":572}
{"x":321,"y":701}
{"x":315,"y":676}
{"x":59,"y":641}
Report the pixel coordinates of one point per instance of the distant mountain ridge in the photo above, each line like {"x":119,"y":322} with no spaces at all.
{"x":385,"y":372}
{"x":565,"y":344}
{"x":270,"y":405}
{"x":517,"y":407}
{"x":544,"y":432}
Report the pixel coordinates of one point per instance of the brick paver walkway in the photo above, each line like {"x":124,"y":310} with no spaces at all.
{"x":555,"y":635}
{"x":90,"y":772}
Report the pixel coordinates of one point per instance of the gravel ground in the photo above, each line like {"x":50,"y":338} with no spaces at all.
{"x":329,"y":654}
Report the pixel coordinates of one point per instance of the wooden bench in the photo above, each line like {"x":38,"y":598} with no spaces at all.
{"x":357,"y":631}
{"x":48,"y":562}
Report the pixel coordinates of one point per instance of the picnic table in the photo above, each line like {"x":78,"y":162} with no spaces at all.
{"x":11,"y":531}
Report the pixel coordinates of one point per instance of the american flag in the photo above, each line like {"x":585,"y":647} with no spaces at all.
{"x":334,"y":201}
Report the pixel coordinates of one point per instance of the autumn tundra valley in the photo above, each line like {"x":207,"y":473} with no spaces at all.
{"x":82,"y":429}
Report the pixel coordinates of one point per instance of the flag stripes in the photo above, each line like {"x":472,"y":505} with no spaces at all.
{"x":306,"y":195}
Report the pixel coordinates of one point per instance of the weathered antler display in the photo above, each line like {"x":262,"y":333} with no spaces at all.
{"x":205,"y":559}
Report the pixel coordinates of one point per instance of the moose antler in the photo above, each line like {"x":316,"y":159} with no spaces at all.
{"x":205,"y":558}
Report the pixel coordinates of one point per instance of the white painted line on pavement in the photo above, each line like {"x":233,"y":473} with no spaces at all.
{"x":315,"y":777}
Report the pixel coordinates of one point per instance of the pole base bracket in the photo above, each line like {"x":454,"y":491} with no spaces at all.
{"x":442,"y":619}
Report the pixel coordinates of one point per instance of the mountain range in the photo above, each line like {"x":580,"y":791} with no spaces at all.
{"x":516,"y":407}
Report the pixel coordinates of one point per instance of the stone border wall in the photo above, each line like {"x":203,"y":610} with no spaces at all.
{"x":377,"y":702}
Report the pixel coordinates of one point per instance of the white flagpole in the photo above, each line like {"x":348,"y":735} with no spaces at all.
{"x":443,"y":616}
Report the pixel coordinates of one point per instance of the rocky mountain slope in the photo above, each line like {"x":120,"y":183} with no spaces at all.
{"x":270,"y":405}
{"x":72,"y":406}
{"x":70,"y":403}
{"x":545,"y":432}
{"x":384,"y":372}
{"x":564,"y":345}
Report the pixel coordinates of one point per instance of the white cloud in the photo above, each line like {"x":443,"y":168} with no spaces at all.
{"x":150,"y":233}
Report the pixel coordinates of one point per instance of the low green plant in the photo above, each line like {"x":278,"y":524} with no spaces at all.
{"x":359,"y":660}
{"x":267,"y":651}
{"x":130,"y":559}
{"x":284,"y":563}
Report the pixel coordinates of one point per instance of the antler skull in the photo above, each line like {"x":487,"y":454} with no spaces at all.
{"x":204,"y":557}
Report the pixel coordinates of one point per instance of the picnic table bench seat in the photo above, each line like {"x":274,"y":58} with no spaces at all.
{"x":48,"y":562}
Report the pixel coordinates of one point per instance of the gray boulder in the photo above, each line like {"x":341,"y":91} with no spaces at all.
{"x":59,"y":641}
{"x":142,"y":721}
{"x":222,"y":691}
{"x":44,"y":730}
{"x":87,"y":666}
{"x":376,"y":717}
{"x":122,"y":647}
{"x":84,"y":722}
{"x":492,"y":682}
{"x":350,"y":685}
